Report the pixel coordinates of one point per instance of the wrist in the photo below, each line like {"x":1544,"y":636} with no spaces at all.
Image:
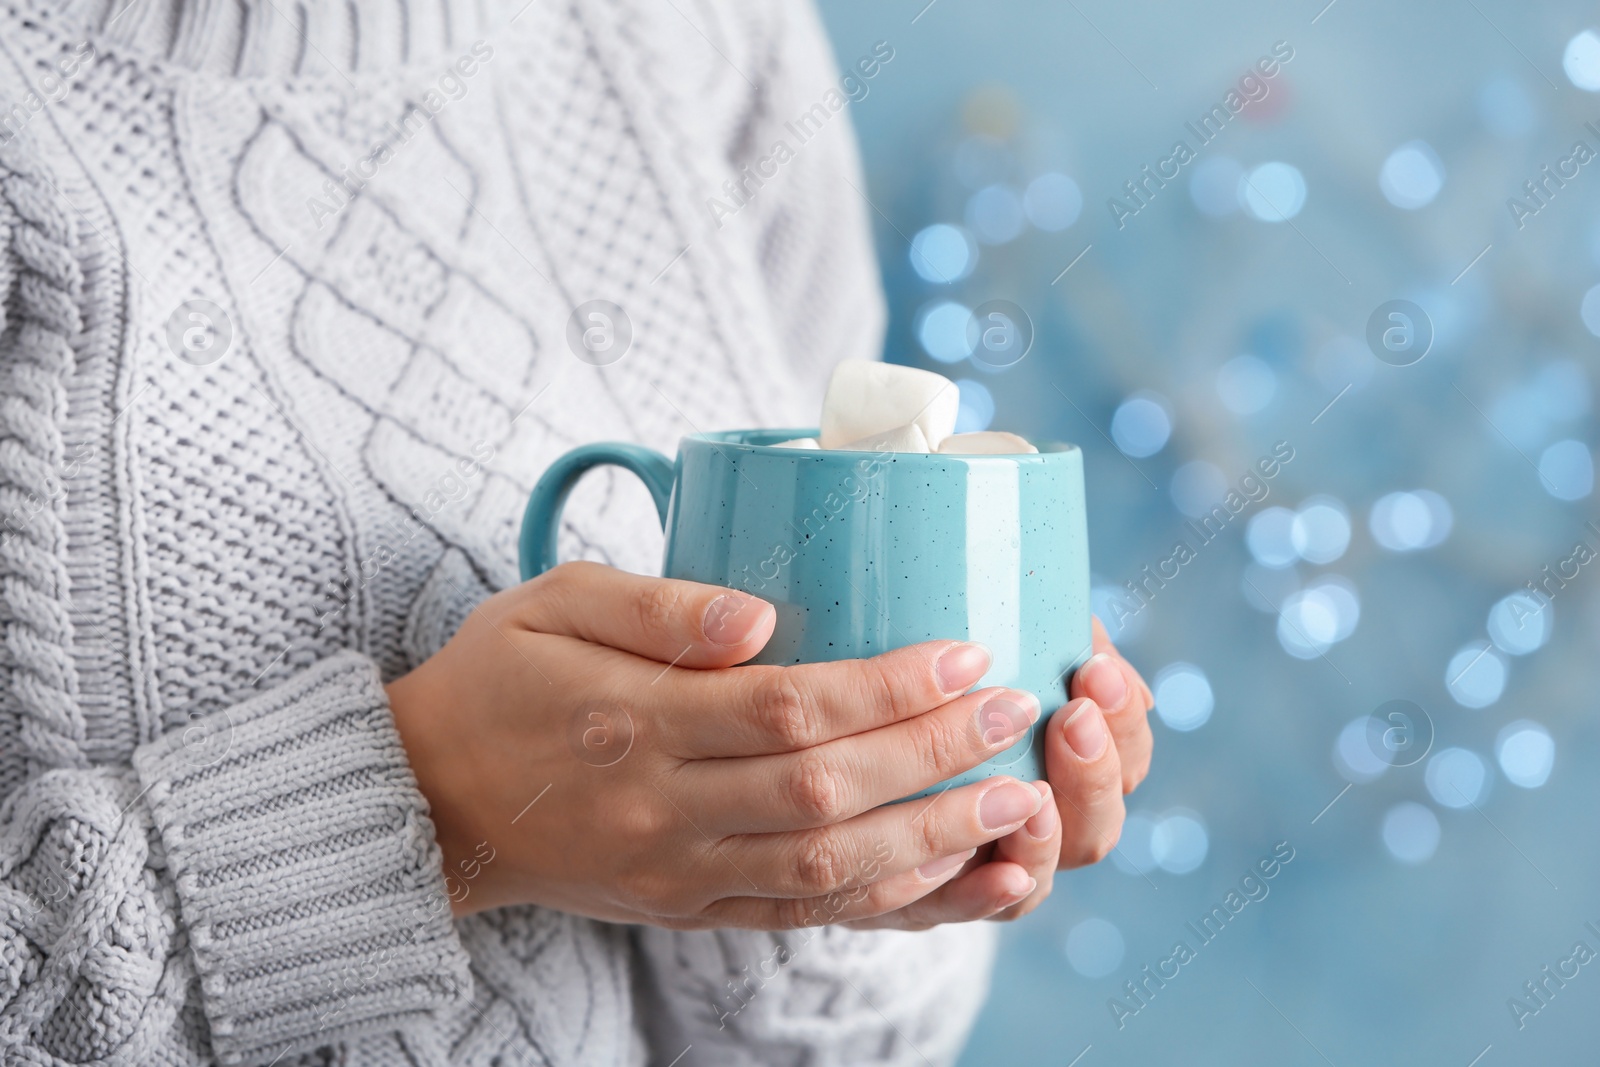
{"x":432,"y":754}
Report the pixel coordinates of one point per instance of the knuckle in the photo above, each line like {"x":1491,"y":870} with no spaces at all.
{"x":506,"y":605}
{"x":816,"y":790}
{"x":929,"y":835}
{"x":643,"y":826}
{"x":563,"y":578}
{"x":881,"y":689}
{"x":784,"y":713}
{"x":558,"y":590}
{"x":818,"y":865}
{"x":945,"y":748}
{"x":660,"y":606}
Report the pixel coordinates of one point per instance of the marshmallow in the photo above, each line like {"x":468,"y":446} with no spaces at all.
{"x":866,"y":398}
{"x":988,"y":442}
{"x":900,"y":439}
{"x":799,"y":442}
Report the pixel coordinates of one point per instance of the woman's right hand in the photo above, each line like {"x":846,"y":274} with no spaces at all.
{"x":587,"y":743}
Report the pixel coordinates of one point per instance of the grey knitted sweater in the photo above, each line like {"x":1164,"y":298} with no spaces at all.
{"x":224,"y":524}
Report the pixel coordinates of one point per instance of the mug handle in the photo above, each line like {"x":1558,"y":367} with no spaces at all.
{"x":541,"y":522}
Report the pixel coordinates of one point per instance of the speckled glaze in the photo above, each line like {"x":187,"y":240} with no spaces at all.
{"x":866,"y":552}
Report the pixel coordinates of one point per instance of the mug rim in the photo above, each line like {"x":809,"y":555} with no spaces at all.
{"x":733,"y":439}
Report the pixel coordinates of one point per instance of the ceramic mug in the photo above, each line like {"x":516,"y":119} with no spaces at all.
{"x":862,"y":552}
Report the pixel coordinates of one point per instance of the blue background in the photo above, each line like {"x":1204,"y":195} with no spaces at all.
{"x":1377,"y":167}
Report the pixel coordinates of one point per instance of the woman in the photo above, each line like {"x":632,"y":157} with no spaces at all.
{"x":288,"y":293}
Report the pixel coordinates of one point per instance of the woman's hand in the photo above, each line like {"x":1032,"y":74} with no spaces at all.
{"x":1097,"y":749}
{"x":572,"y":761}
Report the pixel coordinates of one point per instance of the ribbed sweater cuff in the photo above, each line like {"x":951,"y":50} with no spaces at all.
{"x":306,"y":868}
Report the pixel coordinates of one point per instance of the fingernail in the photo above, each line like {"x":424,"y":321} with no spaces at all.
{"x":934,"y":868}
{"x":731,"y":619}
{"x":1033,"y":883}
{"x":961,"y":666}
{"x":1043,"y":823}
{"x":1104,"y":682}
{"x":1007,"y":804}
{"x":1004,"y":716}
{"x":1085,"y":731}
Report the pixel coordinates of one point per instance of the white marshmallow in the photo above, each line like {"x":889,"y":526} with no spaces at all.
{"x":986,"y":442}
{"x":900,"y":439}
{"x":866,"y":397}
{"x":799,"y":442}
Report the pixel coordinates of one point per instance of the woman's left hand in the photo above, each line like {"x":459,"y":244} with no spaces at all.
{"x":1097,"y":749}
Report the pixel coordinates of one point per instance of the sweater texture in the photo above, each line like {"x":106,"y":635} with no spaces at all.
{"x":287,"y":298}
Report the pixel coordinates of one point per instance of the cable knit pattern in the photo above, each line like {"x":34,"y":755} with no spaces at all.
{"x":212,"y":848}
{"x":33,"y":578}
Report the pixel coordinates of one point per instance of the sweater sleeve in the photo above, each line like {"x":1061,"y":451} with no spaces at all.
{"x":270,"y":868}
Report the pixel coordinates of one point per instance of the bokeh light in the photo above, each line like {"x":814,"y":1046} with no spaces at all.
{"x":1179,"y":842}
{"x":1183,"y":696}
{"x":1476,"y":675}
{"x":1273,"y":192}
{"x":1590,"y":310}
{"x":1346,"y":601}
{"x":1526,"y":753}
{"x":1412,"y":176}
{"x":1246,"y":384}
{"x":1052,"y":202}
{"x":1318,"y":617}
{"x":1320,"y":531}
{"x":942,"y":254}
{"x":942,"y":331}
{"x":1270,"y":537}
{"x":1141,"y":425}
{"x":1456,"y":777}
{"x":1519,"y":624}
{"x":1581,"y":61}
{"x":1409,"y":521}
{"x":976,"y":411}
{"x":1095,"y":948}
{"x":1411,"y":832}
{"x":1353,"y":756}
{"x":1567,"y":470}
{"x":994,"y":214}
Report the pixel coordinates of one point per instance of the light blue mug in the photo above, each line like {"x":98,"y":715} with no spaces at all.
{"x":865,"y":552}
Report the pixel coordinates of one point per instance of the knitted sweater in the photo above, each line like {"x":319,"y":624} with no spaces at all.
{"x":223,"y":525}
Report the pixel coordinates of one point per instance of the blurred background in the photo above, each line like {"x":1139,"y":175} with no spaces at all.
{"x":1380,"y":659}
